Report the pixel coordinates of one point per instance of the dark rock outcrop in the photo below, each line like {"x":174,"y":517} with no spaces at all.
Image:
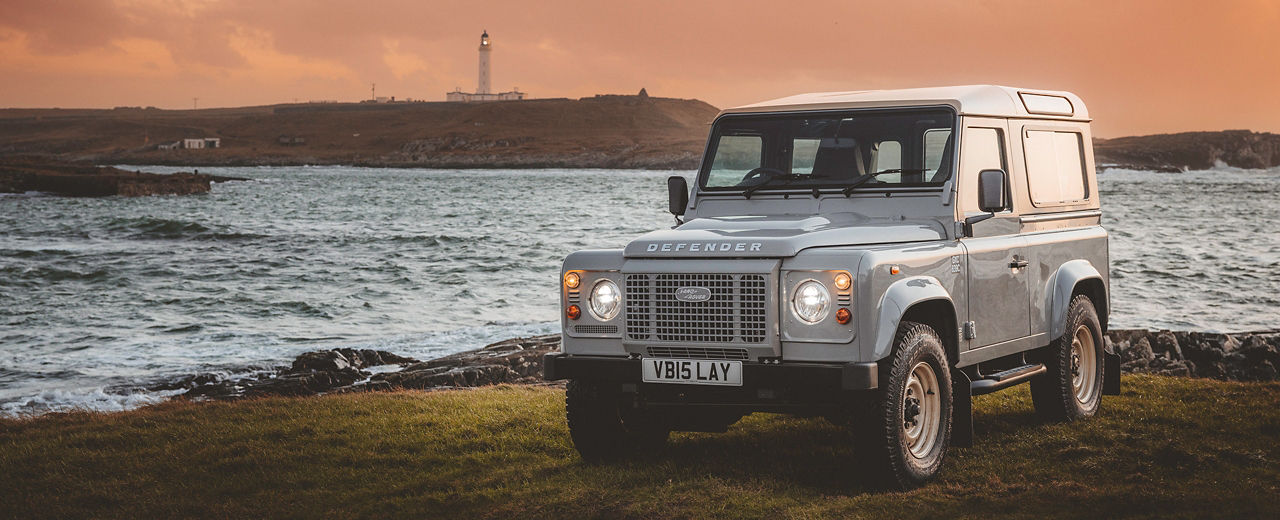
{"x":348,"y":370}
{"x":95,"y":181}
{"x":1234,"y":357}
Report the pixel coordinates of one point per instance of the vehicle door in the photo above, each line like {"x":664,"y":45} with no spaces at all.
{"x":996,"y":254}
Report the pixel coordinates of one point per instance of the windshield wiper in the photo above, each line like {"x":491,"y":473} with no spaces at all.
{"x":786,"y":177}
{"x":867,"y":178}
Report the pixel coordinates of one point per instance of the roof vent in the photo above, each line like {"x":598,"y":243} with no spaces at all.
{"x":1046,"y":105}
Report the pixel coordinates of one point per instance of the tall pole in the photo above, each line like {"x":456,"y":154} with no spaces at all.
{"x":194,"y":101}
{"x":373,"y":92}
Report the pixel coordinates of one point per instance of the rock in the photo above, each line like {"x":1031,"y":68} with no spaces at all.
{"x":1167,"y":343}
{"x":1139,"y":350}
{"x":324,"y":360}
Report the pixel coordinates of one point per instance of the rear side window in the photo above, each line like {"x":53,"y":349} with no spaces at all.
{"x":804,"y":152}
{"x":935,"y":145}
{"x":1055,"y":167}
{"x":736,"y":155}
{"x":887,"y":155}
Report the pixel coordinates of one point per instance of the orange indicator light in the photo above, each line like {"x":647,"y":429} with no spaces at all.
{"x":843,"y":316}
{"x":893,"y":269}
{"x":572,"y":280}
{"x":573,"y":312}
{"x":843,"y":281}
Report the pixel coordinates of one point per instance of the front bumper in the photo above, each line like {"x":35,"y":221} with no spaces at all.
{"x":833,"y":376}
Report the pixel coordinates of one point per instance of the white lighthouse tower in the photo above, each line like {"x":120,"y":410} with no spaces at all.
{"x":484,"y":89}
{"x":483,"y":86}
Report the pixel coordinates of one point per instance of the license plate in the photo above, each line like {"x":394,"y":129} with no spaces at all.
{"x":692,"y":372}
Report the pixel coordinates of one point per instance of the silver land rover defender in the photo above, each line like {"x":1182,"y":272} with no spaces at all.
{"x":875,"y":257}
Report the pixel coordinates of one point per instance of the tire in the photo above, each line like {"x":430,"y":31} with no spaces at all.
{"x":903,"y":429}
{"x":603,"y":429}
{"x":1071,"y":388}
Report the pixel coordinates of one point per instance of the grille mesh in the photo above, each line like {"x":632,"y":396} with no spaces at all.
{"x":596,"y":329}
{"x":735,"y":312}
{"x":698,"y":353}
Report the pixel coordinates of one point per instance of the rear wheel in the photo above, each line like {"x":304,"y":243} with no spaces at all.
{"x":1071,"y":388}
{"x":903,"y":430}
{"x":603,"y":429}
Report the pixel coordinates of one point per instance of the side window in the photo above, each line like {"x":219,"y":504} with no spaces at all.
{"x":935,"y":143}
{"x":887,"y":155}
{"x":735,"y":156}
{"x":1055,"y":167}
{"x":983,"y":149}
{"x":803,"y":153}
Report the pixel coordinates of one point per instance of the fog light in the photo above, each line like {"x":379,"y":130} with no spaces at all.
{"x":843,"y":316}
{"x":572,"y":280}
{"x":843,"y":281}
{"x":573,"y":312}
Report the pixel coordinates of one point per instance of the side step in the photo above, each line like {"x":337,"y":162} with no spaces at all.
{"x":1006,"y":379}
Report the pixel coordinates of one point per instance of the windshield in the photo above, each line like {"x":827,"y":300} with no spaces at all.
{"x":864,"y":149}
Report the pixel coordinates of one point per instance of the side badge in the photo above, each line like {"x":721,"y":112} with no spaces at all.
{"x":955,"y":264}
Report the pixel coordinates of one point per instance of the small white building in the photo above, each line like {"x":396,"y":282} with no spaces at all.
{"x":202,"y":143}
{"x":483,"y":92}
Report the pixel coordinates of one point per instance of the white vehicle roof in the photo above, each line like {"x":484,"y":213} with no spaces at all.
{"x":975,"y":100}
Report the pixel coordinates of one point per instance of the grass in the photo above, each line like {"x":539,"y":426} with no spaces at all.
{"x":1166,"y":448}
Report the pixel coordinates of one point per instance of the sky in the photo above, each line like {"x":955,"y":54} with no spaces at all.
{"x":1141,"y":66}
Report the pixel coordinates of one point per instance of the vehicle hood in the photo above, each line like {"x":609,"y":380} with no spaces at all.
{"x":777,"y":236}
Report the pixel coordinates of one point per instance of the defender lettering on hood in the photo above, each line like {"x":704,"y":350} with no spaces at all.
{"x":706,"y":247}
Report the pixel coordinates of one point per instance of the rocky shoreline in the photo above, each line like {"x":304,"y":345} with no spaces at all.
{"x":1229,"y":357}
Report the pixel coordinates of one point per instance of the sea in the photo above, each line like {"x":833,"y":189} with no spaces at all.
{"x":102,"y":297}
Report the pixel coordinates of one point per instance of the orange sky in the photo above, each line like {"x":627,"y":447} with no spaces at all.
{"x":1142,"y":66}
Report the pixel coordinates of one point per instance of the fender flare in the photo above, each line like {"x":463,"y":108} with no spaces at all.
{"x":897,"y":299}
{"x":1062,"y":285}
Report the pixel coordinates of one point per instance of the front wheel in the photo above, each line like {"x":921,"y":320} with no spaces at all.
{"x":903,"y":432}
{"x":1071,"y":388}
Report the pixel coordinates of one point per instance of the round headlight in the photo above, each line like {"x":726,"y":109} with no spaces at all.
{"x":811,"y":301}
{"x":605,"y":300}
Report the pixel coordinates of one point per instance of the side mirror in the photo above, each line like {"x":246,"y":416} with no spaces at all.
{"x":992,"y":187}
{"x":677,"y":195}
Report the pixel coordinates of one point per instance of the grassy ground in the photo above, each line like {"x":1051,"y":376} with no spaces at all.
{"x":1167,"y":447}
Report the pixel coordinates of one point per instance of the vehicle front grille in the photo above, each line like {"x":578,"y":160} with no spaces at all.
{"x":735,"y":312}
{"x":697,"y":353}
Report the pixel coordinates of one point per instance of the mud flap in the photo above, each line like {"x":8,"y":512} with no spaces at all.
{"x":1111,"y":374}
{"x":961,"y":410}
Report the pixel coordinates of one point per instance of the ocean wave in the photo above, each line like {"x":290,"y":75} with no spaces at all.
{"x":96,"y":399}
{"x":153,"y":228}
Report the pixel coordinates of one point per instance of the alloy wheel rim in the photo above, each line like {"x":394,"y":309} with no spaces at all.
{"x":1084,"y":370}
{"x":921,"y":410}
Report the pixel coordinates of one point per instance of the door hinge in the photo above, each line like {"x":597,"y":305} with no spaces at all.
{"x":969,"y":331}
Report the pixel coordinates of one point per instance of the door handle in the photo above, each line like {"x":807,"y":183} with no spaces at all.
{"x":1018,"y":263}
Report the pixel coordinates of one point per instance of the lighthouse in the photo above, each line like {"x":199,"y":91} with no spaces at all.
{"x":485,"y":49}
{"x":484,"y":88}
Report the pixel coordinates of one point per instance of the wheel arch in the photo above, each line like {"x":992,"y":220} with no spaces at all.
{"x":1074,"y":278}
{"x":921,"y":299}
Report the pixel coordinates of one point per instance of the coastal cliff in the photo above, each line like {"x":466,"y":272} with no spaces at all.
{"x":1190,"y":151}
{"x":596,"y":132}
